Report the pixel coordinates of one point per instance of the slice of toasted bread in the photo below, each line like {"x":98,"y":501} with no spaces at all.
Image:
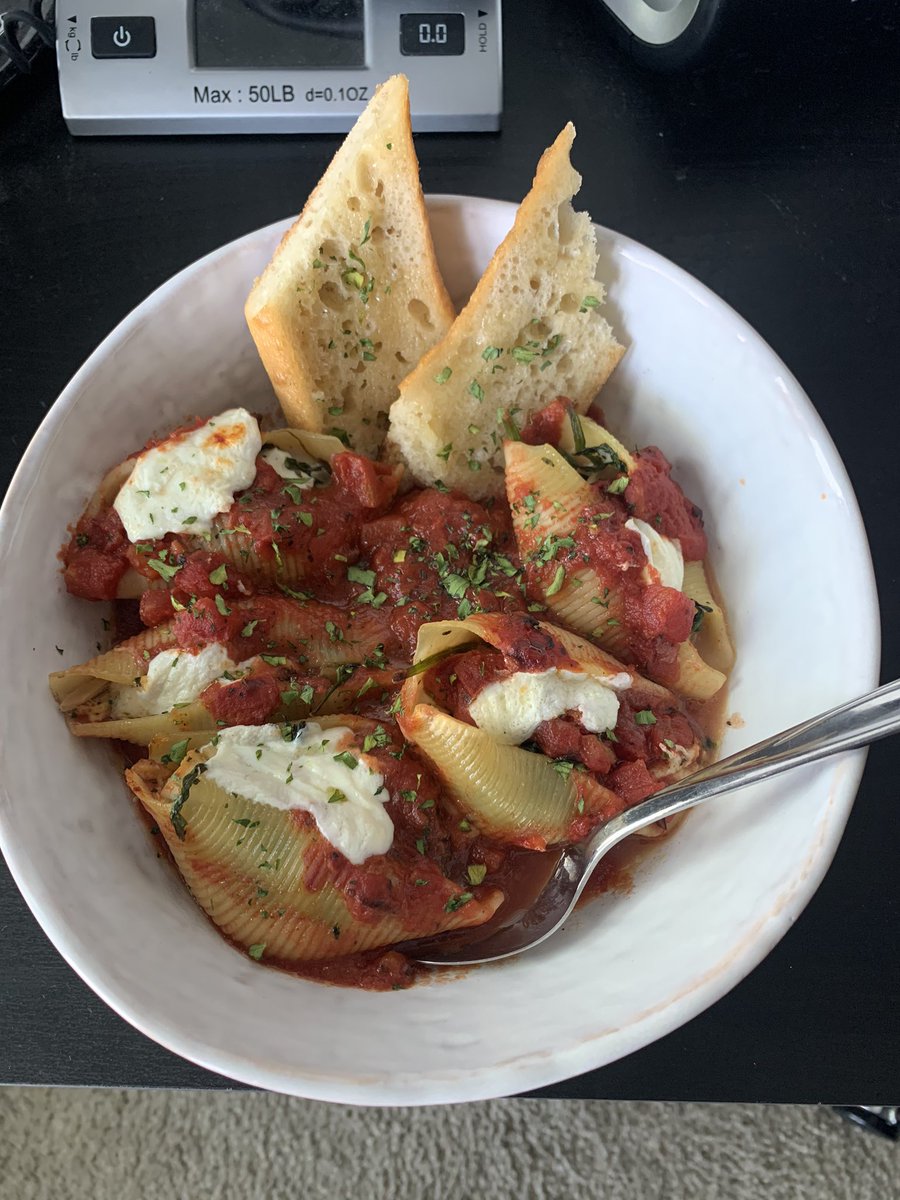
{"x":531,"y":331}
{"x":353,"y":296}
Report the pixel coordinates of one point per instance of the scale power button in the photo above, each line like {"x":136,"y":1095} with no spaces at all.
{"x":123,"y":37}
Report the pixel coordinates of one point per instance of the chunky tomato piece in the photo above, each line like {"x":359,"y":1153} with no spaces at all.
{"x":658,"y":500}
{"x":251,"y":700}
{"x":95,"y":557}
{"x":632,"y":782}
{"x":545,"y":427}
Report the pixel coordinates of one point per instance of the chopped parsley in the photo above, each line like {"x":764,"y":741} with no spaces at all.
{"x":700,"y":611}
{"x":336,"y":796}
{"x":257,"y":950}
{"x":443,"y":376}
{"x":176,"y":753}
{"x":377,"y":739}
{"x":347,"y":759}
{"x":456,"y":902}
{"x":219,"y":575}
{"x":178,"y":822}
{"x":558,"y":580}
{"x":476,"y":873}
{"x":166,"y":570}
{"x":644,"y":717}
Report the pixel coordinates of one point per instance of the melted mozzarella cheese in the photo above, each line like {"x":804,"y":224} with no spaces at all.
{"x":346,"y":803}
{"x":511,"y":709}
{"x":663,"y":554}
{"x":173,"y":677}
{"x":185,"y":481}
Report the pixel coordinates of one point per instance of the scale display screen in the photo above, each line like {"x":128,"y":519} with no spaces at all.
{"x":432,"y":33}
{"x":272,"y":34}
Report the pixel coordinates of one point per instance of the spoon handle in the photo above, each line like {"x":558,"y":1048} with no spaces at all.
{"x":856,"y":723}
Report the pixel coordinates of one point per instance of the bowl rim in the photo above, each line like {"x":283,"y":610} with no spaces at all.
{"x":536,"y":1069}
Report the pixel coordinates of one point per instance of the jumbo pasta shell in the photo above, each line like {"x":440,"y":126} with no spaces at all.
{"x":246,"y":866}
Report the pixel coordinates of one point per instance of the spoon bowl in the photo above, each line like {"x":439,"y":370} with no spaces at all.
{"x":856,"y":723}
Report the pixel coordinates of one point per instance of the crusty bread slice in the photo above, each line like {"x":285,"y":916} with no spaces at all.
{"x":531,"y":331}
{"x":353,"y":297}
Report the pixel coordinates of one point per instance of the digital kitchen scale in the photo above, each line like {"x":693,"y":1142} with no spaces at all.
{"x":273,"y":66}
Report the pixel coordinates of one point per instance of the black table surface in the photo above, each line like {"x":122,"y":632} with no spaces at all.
{"x":779,"y":187}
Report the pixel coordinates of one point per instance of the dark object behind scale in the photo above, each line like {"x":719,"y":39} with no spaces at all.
{"x":26,"y":29}
{"x":673,"y":35}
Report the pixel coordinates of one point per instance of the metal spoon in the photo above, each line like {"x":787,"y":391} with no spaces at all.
{"x":854,"y":724}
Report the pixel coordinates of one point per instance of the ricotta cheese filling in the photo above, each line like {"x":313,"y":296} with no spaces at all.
{"x":663,"y":554}
{"x":310,"y":772}
{"x":511,"y":709}
{"x":185,"y":481}
{"x":173,"y":677}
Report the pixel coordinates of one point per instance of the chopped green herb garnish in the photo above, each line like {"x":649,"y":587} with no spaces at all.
{"x":476,"y":873}
{"x":700,"y":610}
{"x":644,"y":717}
{"x":347,"y":759}
{"x":443,"y":376}
{"x":166,"y":570}
{"x":219,"y":575}
{"x":357,"y":575}
{"x":456,"y":902}
{"x":176,"y":753}
{"x":178,"y":822}
{"x":476,"y":390}
{"x":558,"y":580}
{"x":257,"y":950}
{"x":379,"y":738}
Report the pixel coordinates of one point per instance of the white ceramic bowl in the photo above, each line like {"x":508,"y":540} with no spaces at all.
{"x":791,"y":555}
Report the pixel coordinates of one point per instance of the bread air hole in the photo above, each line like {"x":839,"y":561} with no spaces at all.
{"x":379,"y":188}
{"x":364,"y":173}
{"x":332,"y":297}
{"x":420,"y":312}
{"x":564,"y":365}
{"x":376,"y":237}
{"x":569,"y":303}
{"x":568,"y":226}
{"x":400,"y":358}
{"x":331,"y":250}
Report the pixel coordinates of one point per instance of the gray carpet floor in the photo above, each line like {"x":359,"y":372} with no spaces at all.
{"x":90,"y":1144}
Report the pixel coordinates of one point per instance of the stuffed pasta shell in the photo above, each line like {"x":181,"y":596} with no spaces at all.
{"x":538,"y":735}
{"x":301,"y":843}
{"x":605,"y":571}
